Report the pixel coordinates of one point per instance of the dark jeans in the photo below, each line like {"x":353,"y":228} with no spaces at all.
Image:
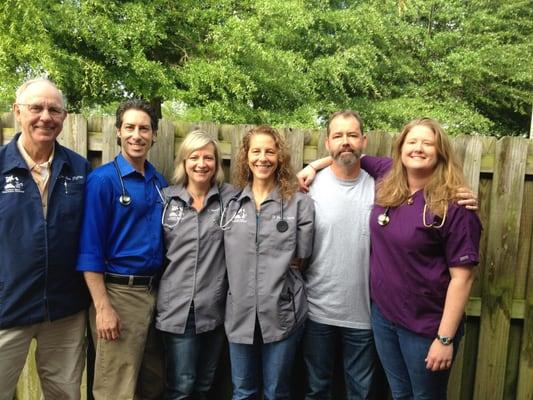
{"x":402,"y":354}
{"x":359,"y":359}
{"x":191,"y":361}
{"x":275,"y":360}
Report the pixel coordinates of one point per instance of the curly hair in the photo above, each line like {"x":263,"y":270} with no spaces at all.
{"x":284,"y":174}
{"x":197,"y":140}
{"x":447,"y":177}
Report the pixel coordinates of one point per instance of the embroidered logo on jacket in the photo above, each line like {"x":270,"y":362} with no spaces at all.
{"x":13,"y":185}
{"x":241,"y":216}
{"x":175,"y":213}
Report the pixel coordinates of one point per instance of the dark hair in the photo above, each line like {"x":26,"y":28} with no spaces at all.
{"x":136,"y":104}
{"x":345,"y":114}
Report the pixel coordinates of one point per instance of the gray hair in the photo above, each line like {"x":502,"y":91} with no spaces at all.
{"x":22,"y":88}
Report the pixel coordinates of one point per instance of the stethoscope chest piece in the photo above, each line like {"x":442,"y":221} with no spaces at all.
{"x":124,"y":199}
{"x":383,"y":219}
{"x":282,"y":226}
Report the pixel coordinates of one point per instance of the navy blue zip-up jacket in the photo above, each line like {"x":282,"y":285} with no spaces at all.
{"x":38,"y":278}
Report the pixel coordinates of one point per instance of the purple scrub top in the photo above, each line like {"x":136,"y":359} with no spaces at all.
{"x":409,"y":263}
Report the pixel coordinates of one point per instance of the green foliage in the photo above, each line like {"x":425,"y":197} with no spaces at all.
{"x":287,"y":62}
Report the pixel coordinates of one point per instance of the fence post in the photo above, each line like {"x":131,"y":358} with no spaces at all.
{"x":498,"y":279}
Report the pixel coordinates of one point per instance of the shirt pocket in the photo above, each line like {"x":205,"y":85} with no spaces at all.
{"x":289,"y":301}
{"x":70,"y":195}
{"x":278,"y":240}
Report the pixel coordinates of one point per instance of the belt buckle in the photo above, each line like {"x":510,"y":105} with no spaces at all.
{"x":130,"y":280}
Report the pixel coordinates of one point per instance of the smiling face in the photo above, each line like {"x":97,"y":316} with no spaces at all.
{"x":419,"y":152}
{"x":40,"y":113}
{"x":136,"y":136}
{"x":345,"y":142}
{"x":263,"y":157}
{"x":201,"y":165}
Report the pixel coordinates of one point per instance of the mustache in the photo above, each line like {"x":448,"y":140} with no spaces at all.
{"x":346,"y":148}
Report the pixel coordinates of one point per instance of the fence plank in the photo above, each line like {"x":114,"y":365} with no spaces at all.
{"x":295,"y":141}
{"x":321,"y":150}
{"x":208,"y":127}
{"x":469,"y":151}
{"x":74,"y":134}
{"x":162,"y":153}
{"x":7,"y":127}
{"x":379,"y":143}
{"x":525,"y":374}
{"x":498,"y":282}
{"x":110,"y":148}
{"x":236,"y":140}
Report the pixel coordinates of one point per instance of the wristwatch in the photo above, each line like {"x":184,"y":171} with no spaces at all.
{"x":445,"y":340}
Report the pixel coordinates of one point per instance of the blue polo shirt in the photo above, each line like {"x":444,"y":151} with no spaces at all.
{"x":120,"y":239}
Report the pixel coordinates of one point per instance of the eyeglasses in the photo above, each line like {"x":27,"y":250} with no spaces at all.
{"x":53,"y":111}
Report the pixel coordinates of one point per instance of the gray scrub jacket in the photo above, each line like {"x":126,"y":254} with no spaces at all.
{"x":261,"y":282}
{"x":196,"y":269}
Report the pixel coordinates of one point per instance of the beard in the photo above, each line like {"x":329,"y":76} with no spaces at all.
{"x":346,"y":155}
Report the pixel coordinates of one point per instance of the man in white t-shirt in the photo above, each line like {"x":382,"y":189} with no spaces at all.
{"x":337,"y":278}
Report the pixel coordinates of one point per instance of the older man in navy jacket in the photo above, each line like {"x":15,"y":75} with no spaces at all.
{"x":41,"y":294}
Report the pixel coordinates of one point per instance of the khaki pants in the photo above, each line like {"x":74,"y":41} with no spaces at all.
{"x":60,"y":356}
{"x":119,"y":363}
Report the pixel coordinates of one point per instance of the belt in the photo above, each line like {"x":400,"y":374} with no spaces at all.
{"x":130,"y":280}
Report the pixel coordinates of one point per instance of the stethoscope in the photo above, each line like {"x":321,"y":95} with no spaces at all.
{"x":125,"y":199}
{"x":281,"y":225}
{"x":384,"y":219}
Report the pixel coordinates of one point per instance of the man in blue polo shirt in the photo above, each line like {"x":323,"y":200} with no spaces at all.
{"x":121,"y":252}
{"x":42,"y":296}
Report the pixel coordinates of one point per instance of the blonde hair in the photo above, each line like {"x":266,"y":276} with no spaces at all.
{"x":194,"y":141}
{"x":284,"y":174}
{"x":447,"y":177}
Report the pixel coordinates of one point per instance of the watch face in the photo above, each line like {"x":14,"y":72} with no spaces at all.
{"x":445,"y":340}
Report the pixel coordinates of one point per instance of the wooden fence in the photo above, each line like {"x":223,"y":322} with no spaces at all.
{"x":496,"y":356}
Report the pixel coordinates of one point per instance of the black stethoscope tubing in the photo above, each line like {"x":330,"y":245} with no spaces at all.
{"x":125,"y":198}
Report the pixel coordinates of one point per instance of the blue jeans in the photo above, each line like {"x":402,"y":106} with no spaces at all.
{"x":402,"y":354}
{"x":274,"y":361}
{"x":191,"y":361}
{"x":359,"y":359}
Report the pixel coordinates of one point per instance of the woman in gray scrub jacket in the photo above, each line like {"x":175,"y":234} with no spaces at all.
{"x":192,"y":293}
{"x":268,"y":229}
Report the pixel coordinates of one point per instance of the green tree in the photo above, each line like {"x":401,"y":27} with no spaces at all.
{"x":287,"y":62}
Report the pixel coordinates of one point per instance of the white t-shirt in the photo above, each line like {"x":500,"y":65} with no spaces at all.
{"x":337,"y":279}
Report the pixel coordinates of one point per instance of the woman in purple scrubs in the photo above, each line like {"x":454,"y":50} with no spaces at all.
{"x":424,"y":246}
